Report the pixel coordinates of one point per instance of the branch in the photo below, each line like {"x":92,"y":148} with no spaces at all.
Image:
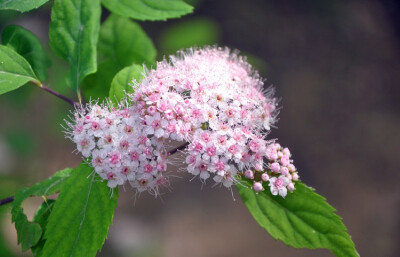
{"x":171,"y":152}
{"x":6,"y":200}
{"x":51,"y":91}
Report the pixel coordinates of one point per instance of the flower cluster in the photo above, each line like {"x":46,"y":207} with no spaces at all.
{"x":210,"y":99}
{"x":114,"y":142}
{"x":280,"y":172}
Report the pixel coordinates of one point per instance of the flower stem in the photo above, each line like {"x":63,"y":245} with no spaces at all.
{"x":7,"y":200}
{"x":51,"y":91}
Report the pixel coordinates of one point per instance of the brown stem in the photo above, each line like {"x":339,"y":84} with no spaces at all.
{"x":171,"y":152}
{"x":51,"y":91}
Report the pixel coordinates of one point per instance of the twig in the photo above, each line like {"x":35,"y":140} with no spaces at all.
{"x":51,"y":91}
{"x":6,"y":200}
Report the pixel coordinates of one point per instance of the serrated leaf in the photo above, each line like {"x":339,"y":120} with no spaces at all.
{"x":78,"y":224}
{"x":303,"y":219}
{"x":73,"y":34}
{"x":28,"y":46}
{"x":29,"y":233}
{"x":41,"y":217}
{"x":15,"y":71}
{"x":151,"y":10}
{"x":122,"y":82}
{"x":21,"y":5}
{"x":122,"y":43}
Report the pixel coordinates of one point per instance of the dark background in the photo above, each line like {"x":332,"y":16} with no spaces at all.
{"x":334,"y":64}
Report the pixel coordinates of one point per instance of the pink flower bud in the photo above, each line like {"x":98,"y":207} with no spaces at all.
{"x":285,"y":160}
{"x":249,"y":174}
{"x":284,"y":171}
{"x":290,"y":187}
{"x":257,"y":187}
{"x":275,"y":167}
{"x":258,"y":167}
{"x":286,"y":151}
{"x":295,"y":176}
{"x":291,"y":167}
{"x":265,"y":177}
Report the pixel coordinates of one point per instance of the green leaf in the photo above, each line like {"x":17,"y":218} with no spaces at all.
{"x":148,"y":9}
{"x":29,"y":233}
{"x":28,"y":46}
{"x":188,"y":33}
{"x":74,"y":30}
{"x":43,"y":212}
{"x":122,"y":43}
{"x":303,"y":219}
{"x":41,"y":217}
{"x":97,"y":85}
{"x":15,"y":71}
{"x":78,"y":224}
{"x":21,"y":5}
{"x":122,"y":82}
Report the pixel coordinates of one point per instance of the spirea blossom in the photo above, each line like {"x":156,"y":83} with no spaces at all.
{"x":210,"y":99}
{"x":116,"y":146}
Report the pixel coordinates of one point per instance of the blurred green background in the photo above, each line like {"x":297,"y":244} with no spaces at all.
{"x":336,"y":67}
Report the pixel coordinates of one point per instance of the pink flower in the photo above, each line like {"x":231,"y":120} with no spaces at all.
{"x":278,"y":185}
{"x":114,"y":159}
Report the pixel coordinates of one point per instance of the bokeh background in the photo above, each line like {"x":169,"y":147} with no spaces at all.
{"x":336,"y":67}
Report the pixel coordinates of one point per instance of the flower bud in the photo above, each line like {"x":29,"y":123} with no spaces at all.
{"x":257,"y":187}
{"x":286,"y":152}
{"x":275,"y":167}
{"x":265,"y":177}
{"x":284,"y":171}
{"x":258,"y":167}
{"x":249,"y":174}
{"x":290,"y":187}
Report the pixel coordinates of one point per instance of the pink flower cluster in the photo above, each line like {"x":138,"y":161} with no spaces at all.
{"x":280,"y":172}
{"x":115,"y":143}
{"x":210,"y":99}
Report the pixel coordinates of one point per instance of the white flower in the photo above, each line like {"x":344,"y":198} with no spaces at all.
{"x":278,"y":185}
